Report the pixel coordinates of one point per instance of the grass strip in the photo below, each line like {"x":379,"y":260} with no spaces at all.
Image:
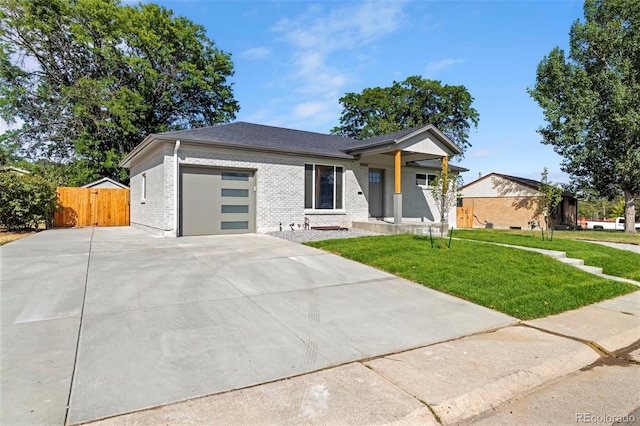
{"x":519,"y":283}
{"x":619,"y":263}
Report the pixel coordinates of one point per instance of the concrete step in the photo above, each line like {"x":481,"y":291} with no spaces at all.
{"x":571,"y":261}
{"x":562,"y":257}
{"x":591,"y":269}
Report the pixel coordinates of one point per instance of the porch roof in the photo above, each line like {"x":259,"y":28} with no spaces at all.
{"x":418,"y":143}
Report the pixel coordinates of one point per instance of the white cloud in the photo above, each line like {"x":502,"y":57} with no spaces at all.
{"x":348,"y":27}
{"x":434,"y":67}
{"x":309,"y":109}
{"x":256,"y":53}
{"x":318,"y":37}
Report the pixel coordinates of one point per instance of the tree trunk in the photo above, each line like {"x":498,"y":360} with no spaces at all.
{"x":629,"y":212}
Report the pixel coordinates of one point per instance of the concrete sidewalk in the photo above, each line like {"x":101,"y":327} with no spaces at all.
{"x":577,"y":367}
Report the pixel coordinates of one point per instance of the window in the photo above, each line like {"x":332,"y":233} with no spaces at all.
{"x":235,"y":176}
{"x":323,"y":187}
{"x":143,"y":197}
{"x":423,"y":179}
{"x":226,"y":192}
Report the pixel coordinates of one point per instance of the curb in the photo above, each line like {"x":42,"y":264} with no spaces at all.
{"x":516,"y":384}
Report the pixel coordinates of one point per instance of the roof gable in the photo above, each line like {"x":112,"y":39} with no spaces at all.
{"x":105,"y":182}
{"x":426,"y":141}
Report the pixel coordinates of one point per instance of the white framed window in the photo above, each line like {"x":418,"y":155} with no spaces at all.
{"x":323,"y":187}
{"x":423,"y":179}
{"x":143,"y":192}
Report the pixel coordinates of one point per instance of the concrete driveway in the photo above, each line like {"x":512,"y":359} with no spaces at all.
{"x":98,"y":322}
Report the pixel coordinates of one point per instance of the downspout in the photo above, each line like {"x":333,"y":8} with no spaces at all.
{"x":176,"y":187}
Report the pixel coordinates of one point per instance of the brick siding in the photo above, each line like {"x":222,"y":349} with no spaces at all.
{"x":503,"y":212}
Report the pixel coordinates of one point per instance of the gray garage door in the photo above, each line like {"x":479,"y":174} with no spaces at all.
{"x":216,"y":201}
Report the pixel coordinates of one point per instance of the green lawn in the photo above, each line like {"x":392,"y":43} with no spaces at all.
{"x":609,"y":236}
{"x":588,"y":235}
{"x":523,"y":284}
{"x":620,"y":263}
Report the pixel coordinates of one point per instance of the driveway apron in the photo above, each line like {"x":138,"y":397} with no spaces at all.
{"x":98,"y":322}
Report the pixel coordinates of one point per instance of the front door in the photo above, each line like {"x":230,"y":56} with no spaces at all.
{"x":376,"y":195}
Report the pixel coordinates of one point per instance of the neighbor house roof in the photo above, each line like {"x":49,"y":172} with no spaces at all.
{"x":530,"y":183}
{"x":106,"y":183}
{"x":14,"y":170}
{"x":277,"y":139}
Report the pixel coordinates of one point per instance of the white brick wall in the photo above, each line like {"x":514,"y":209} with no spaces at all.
{"x":279,"y":186}
{"x":149,"y":213}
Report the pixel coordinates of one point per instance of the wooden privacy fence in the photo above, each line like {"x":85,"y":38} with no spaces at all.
{"x":92,"y":207}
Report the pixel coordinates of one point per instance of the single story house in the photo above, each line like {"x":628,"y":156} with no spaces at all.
{"x":244,"y":178}
{"x":105,"y":182}
{"x":511,"y":202}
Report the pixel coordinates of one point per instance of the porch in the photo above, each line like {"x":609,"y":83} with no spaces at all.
{"x":407,"y":226}
{"x":395,"y":151}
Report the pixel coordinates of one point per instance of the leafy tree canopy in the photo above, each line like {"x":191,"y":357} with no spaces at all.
{"x":591,"y":101}
{"x":410,"y":103}
{"x":26,"y":201}
{"x":87,"y":80}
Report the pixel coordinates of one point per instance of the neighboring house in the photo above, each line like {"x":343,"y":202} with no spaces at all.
{"x":510,"y":202}
{"x":105,"y":182}
{"x":15,"y":170}
{"x":243,"y":177}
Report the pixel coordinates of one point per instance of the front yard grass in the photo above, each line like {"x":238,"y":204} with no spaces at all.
{"x":522,"y":284}
{"x":608,"y":236}
{"x":620,"y":263}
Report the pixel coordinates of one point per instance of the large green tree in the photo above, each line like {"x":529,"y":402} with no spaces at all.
{"x":413,"y":102}
{"x":87,"y":80}
{"x":591,"y":101}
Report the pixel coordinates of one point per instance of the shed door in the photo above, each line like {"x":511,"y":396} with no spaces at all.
{"x":216,"y":201}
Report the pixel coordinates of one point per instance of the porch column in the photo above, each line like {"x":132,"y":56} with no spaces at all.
{"x":397,"y":196}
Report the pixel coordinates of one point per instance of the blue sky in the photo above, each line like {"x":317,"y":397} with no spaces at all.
{"x":295,"y":59}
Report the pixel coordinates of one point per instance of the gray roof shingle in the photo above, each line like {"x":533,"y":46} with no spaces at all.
{"x":248,"y":135}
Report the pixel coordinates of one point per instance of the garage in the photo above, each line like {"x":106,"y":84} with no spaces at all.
{"x":216,"y":201}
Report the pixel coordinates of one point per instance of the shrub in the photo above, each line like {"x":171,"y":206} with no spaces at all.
{"x":26,"y":201}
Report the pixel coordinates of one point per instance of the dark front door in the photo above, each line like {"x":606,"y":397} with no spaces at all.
{"x":376,"y":194}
